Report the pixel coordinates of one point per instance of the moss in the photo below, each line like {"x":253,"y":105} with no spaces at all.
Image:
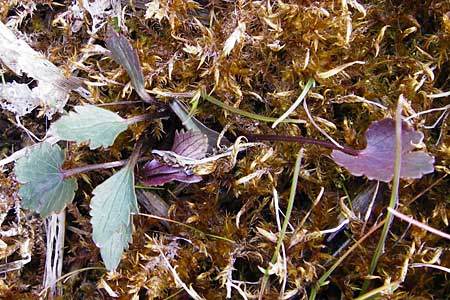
{"x":404,"y":47}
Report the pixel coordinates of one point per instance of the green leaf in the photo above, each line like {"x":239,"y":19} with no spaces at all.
{"x":111,"y":207}
{"x":44,"y":189}
{"x":90,"y":123}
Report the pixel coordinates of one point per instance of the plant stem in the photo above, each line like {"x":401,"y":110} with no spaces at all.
{"x":83,"y":169}
{"x":88,"y":168}
{"x":141,"y":118}
{"x":301,"y":140}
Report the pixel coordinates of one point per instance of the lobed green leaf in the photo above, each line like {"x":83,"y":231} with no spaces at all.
{"x":111,"y":207}
{"x":89,"y":123}
{"x":44,"y":189}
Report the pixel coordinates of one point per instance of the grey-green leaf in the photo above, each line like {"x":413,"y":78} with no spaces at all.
{"x":115,"y":244}
{"x":111,"y":207}
{"x":44,"y":189}
{"x":98,"y":126}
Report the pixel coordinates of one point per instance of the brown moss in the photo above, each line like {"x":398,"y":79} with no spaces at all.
{"x":405,"y":48}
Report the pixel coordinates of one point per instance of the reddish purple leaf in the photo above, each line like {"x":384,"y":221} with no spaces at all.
{"x":188,"y":144}
{"x":192,"y":144}
{"x":159,"y":173}
{"x":124,"y":54}
{"x":180,"y":176}
{"x":155,"y":167}
{"x":377,"y":160}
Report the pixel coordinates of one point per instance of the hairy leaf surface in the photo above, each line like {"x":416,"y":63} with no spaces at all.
{"x":377,"y":160}
{"x":44,"y":188}
{"x":98,"y":126}
{"x":111,"y":207}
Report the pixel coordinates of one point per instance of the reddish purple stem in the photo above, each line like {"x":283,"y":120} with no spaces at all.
{"x":300,"y":140}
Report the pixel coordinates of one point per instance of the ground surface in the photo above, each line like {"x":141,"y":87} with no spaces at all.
{"x":256,"y":56}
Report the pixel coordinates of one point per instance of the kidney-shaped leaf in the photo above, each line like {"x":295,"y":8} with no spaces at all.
{"x":377,"y":160}
{"x":90,"y":123}
{"x":111,"y":207}
{"x":44,"y":189}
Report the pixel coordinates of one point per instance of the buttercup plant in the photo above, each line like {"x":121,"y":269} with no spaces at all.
{"x":209,"y":148}
{"x":47,"y":188}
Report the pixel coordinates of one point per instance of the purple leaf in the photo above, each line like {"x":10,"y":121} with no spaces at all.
{"x":377,"y":160}
{"x":124,"y":54}
{"x":188,"y":144}
{"x":155,"y":167}
{"x":180,"y":176}
{"x":192,"y":144}
{"x":159,"y":173}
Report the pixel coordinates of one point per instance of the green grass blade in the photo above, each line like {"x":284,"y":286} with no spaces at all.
{"x":323,"y":279}
{"x":285,"y":222}
{"x":394,"y":194}
{"x":246,"y":113}
{"x":297,"y":102}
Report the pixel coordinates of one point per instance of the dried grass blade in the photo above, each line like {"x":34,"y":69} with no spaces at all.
{"x":55,"y":228}
{"x":439,"y":95}
{"x":191,"y":292}
{"x":305,"y":106}
{"x":414,"y":222}
{"x":420,"y":265}
{"x":338,"y":69}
